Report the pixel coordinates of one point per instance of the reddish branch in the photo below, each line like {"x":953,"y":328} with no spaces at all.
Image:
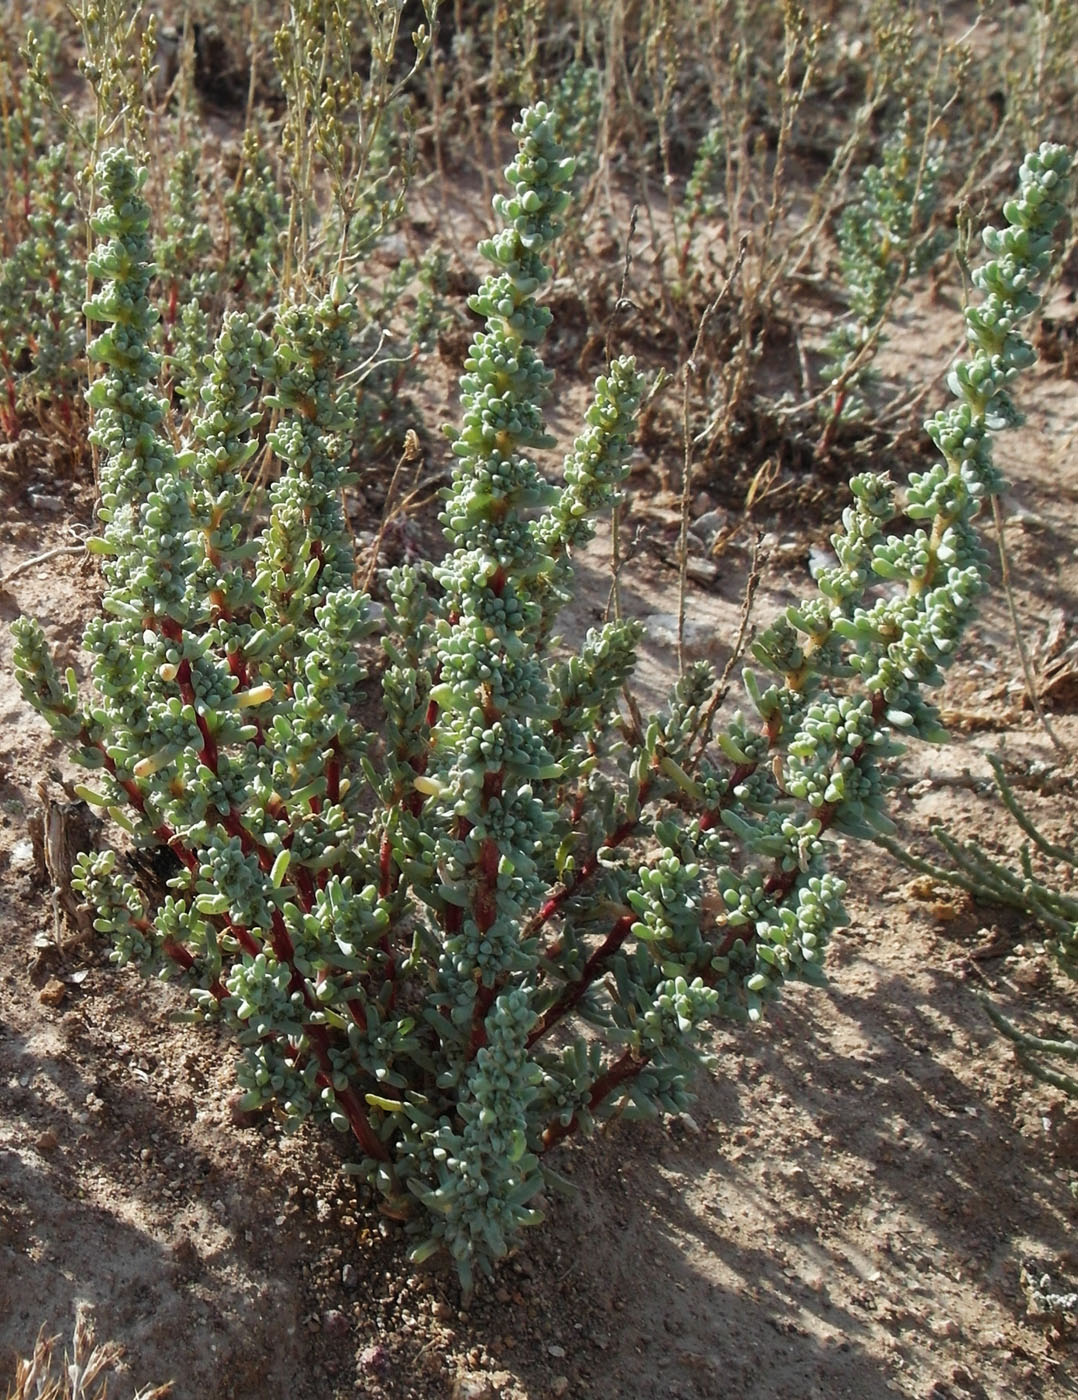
{"x":778,"y":886}
{"x":575,"y":991}
{"x":620,"y":1072}
{"x":317,"y":1036}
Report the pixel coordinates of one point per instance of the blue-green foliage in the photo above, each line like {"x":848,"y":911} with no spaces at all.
{"x":883,"y":238}
{"x":502,"y":913}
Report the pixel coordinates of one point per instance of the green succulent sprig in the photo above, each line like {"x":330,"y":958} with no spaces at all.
{"x":256,"y":220}
{"x":501,"y":912}
{"x":42,"y":344}
{"x":884,"y":237}
{"x":191,"y":281}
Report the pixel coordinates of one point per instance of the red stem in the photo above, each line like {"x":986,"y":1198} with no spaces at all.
{"x":778,"y":886}
{"x":622,"y":1070}
{"x":584,"y":873}
{"x":573,"y":993}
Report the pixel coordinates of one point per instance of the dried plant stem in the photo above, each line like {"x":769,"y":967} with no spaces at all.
{"x":411,"y":453}
{"x":28,"y":564}
{"x":690,"y":368}
{"x":36,"y":1378}
{"x":614,"y":603}
{"x":1027,"y":669}
{"x":748,"y":598}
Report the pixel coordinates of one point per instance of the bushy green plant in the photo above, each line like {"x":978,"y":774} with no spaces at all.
{"x":190,"y":275}
{"x":255,"y":220}
{"x":500,"y":912}
{"x":346,"y":161}
{"x":40,"y":320}
{"x":29,"y":61}
{"x":884,"y":236}
{"x":578,"y":103}
{"x":42,"y":344}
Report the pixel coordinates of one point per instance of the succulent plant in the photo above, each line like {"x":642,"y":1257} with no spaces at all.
{"x":501,"y":911}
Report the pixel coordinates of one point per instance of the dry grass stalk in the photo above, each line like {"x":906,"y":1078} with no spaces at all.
{"x":45,"y":1377}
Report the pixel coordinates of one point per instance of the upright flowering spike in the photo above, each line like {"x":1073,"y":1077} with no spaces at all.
{"x":495,"y":707}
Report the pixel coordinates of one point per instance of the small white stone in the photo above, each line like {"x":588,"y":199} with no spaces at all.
{"x":22,"y":857}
